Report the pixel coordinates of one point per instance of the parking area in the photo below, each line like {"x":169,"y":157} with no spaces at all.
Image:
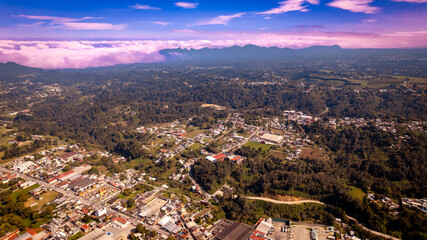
{"x":298,"y":232}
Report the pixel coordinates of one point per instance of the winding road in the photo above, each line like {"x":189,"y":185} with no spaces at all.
{"x":284,"y":202}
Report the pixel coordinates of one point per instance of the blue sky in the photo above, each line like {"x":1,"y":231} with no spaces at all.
{"x":158,"y":24}
{"x":159,"y":19}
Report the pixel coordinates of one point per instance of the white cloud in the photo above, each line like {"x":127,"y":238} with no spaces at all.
{"x":92,"y":26}
{"x":70,"y":23}
{"x":361,"y":6}
{"x":186,"y":5}
{"x":160,"y":23}
{"x":291,"y":5}
{"x":144,"y":7}
{"x":220,"y":20}
{"x":56,"y":19}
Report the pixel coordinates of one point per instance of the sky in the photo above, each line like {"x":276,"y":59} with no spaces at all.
{"x":91,"y":33}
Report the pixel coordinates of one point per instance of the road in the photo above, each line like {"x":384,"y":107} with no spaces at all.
{"x":243,"y":142}
{"x":284,"y":202}
{"x":372,"y":231}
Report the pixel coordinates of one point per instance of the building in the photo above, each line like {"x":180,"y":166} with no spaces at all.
{"x":119,"y":222}
{"x":264,"y":227}
{"x":271,"y":138}
{"x":9,"y":235}
{"x":218,"y":157}
{"x":232,"y":231}
{"x":24,"y":166}
{"x":81,"y":184}
{"x":100,"y":212}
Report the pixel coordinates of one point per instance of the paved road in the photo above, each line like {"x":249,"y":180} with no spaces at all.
{"x":284,"y":202}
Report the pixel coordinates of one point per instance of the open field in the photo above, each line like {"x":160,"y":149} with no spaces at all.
{"x":195,"y":132}
{"x":314,"y":153}
{"x":17,"y":193}
{"x":278,"y":154}
{"x":196,"y":146}
{"x":46,"y":198}
{"x":256,"y":145}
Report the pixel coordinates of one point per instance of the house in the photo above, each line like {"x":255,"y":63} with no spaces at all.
{"x":119,"y":222}
{"x":85,"y":228}
{"x":9,"y":235}
{"x":100,"y":212}
{"x":218,"y":157}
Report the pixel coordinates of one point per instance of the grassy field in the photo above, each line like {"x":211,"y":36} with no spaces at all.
{"x":256,"y":145}
{"x":194,"y":131}
{"x":47,"y":197}
{"x":4,"y":136}
{"x":196,"y":146}
{"x":356,"y":192}
{"x":14,"y":195}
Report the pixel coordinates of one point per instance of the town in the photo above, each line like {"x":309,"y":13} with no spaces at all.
{"x":95,"y":202}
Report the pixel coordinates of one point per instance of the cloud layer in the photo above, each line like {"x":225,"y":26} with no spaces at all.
{"x":83,"y":54}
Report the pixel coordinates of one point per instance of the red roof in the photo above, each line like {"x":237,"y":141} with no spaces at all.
{"x":220,"y":156}
{"x":85,"y":227}
{"x":119,"y":219}
{"x":64,"y":174}
{"x":32,"y":232}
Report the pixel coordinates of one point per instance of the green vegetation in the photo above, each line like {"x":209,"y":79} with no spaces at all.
{"x":256,"y":145}
{"x":15,"y":194}
{"x":196,"y":146}
{"x":356,"y":193}
{"x":16,"y":215}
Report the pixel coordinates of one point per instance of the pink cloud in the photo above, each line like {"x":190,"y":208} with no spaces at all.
{"x":220,"y":20}
{"x":355,"y":6}
{"x":186,"y":5}
{"x":56,"y":19}
{"x":184,"y":31}
{"x":71,"y":23}
{"x":144,"y":7}
{"x":160,"y":23}
{"x":83,"y":54}
{"x":291,"y":5}
{"x":93,"y":26}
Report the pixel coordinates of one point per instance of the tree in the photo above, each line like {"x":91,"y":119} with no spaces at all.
{"x":131,"y":203}
{"x":86,"y":219}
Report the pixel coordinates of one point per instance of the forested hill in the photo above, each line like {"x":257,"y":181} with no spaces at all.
{"x":252,"y":52}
